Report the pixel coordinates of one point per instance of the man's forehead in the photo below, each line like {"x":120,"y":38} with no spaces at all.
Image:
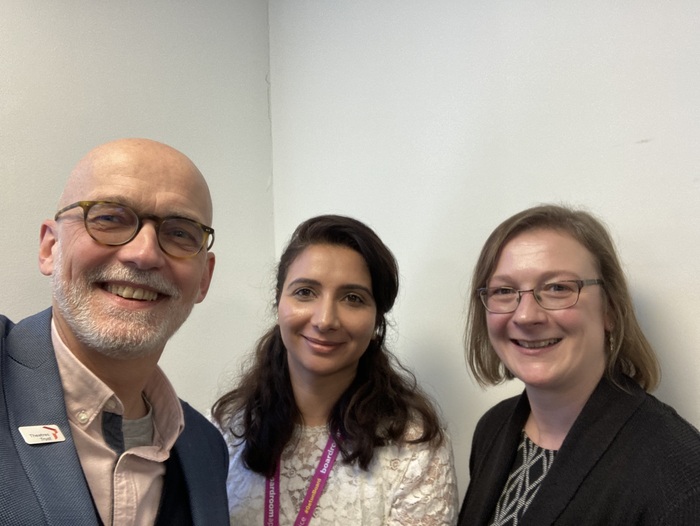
{"x":145,"y":172}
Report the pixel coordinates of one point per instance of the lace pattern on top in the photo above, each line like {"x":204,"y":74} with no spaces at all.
{"x":407,"y":485}
{"x":531,"y":465}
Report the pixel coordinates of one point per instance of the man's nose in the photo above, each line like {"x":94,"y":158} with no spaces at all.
{"x":143,"y":251}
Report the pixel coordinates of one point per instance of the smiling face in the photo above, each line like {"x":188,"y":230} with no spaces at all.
{"x":126,"y":301}
{"x":326,"y":313}
{"x":554,"y":350}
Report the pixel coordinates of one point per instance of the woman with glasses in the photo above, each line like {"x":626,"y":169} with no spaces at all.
{"x":585,"y":444}
{"x":325,"y":426}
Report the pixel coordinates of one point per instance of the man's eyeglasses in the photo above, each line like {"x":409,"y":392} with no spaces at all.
{"x":551,"y":296}
{"x":116,"y":224}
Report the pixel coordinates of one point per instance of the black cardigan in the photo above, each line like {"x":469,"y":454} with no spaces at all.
{"x":628,"y":459}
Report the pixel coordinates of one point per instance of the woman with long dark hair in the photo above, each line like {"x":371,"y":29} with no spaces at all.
{"x":325,"y":424}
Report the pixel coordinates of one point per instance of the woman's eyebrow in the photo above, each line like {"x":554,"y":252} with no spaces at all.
{"x":316,"y":283}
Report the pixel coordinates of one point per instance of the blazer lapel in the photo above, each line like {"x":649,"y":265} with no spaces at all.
{"x":490,"y":470}
{"x":34,"y":396}
{"x":605,"y":413}
{"x":195,"y":478}
{"x":204,"y":470}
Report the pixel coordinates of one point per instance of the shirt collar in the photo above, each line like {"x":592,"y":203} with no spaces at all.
{"x":86,"y":396}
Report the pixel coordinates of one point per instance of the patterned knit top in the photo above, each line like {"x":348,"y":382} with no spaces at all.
{"x":529,"y":469}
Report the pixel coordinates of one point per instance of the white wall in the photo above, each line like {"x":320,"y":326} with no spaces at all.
{"x":435,"y":120}
{"x":78,"y":73}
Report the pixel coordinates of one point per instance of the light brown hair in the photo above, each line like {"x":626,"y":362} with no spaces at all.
{"x":629,"y":352}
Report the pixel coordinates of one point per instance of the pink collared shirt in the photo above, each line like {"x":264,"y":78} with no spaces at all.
{"x":127,"y":487}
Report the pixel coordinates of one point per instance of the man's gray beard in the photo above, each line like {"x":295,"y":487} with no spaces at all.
{"x":115,"y":332}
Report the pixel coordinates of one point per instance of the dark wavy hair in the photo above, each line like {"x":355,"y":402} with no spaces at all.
{"x":376,"y":409}
{"x":629,"y":351}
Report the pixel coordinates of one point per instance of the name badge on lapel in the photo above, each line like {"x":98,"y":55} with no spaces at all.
{"x":41,"y":434}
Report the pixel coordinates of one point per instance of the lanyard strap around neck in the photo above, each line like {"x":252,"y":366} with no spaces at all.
{"x":313,"y":493}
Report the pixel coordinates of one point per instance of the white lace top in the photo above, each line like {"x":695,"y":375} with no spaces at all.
{"x":409,"y":485}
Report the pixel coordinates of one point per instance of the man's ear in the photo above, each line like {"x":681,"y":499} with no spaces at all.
{"x":47,"y":243}
{"x":206,"y":277}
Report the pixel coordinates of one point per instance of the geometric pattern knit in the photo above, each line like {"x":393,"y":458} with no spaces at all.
{"x":529,"y":469}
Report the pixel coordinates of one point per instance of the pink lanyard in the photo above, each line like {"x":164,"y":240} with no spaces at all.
{"x":313,"y":494}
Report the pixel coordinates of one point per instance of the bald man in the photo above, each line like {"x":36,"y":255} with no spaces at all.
{"x":91,"y":431}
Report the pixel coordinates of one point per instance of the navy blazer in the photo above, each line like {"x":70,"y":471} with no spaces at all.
{"x":628,"y":459}
{"x":44,"y":484}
